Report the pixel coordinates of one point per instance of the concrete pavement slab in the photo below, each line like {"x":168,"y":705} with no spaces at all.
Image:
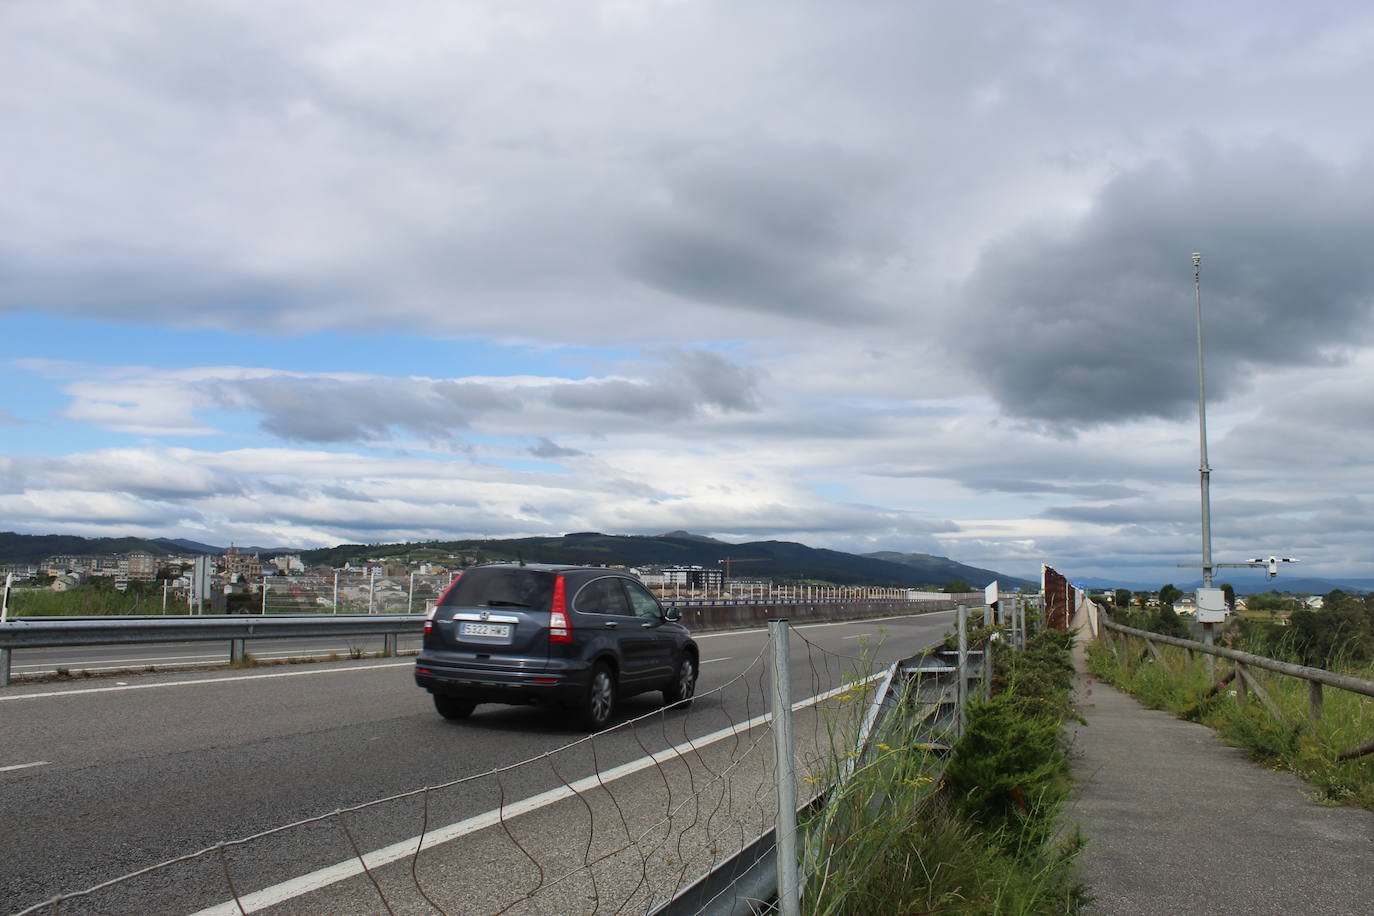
{"x":1178,"y":822}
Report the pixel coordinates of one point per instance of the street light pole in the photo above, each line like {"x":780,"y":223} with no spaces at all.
{"x":1203,"y":468}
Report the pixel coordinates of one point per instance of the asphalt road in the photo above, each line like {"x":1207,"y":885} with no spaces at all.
{"x":104,"y":777}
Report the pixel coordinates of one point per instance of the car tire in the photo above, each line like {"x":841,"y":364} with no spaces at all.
{"x":684,"y":683}
{"x":598,"y":702}
{"x":453,"y":707}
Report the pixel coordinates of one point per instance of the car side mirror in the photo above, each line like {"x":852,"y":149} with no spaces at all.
{"x":671,"y":613}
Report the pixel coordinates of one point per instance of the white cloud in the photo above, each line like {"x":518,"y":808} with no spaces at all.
{"x":897,"y":275}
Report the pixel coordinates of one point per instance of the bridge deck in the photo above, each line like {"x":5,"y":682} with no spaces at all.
{"x":1177,"y":822}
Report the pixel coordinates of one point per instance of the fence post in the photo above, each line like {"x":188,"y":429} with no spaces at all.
{"x":1314,"y":700}
{"x":371,"y":590}
{"x":336,"y":593}
{"x":264,"y":596}
{"x":961,"y":693}
{"x":410,"y":595}
{"x":1242,"y":695}
{"x":780,"y":693}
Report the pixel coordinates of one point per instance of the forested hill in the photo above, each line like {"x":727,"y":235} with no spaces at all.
{"x":34,"y":548}
{"x":773,"y":559}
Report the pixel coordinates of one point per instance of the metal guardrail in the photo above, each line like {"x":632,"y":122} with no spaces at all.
{"x":1245,"y":681}
{"x":56,"y":632}
{"x":51,"y":632}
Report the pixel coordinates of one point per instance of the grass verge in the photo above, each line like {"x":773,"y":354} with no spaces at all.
{"x":1292,"y":742}
{"x":979,"y":833}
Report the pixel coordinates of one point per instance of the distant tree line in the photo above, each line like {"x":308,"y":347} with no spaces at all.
{"x":1338,"y":635}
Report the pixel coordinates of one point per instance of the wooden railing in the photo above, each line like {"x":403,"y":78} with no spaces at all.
{"x":1245,"y":682}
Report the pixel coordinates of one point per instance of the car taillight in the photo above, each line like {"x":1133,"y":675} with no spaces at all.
{"x":443,"y":599}
{"x":560,"y":627}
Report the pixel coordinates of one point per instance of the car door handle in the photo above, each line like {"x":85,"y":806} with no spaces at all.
{"x":646,"y":625}
{"x":611,"y":624}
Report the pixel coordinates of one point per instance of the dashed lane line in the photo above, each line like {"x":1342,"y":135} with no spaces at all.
{"x":23,"y":766}
{"x":209,"y":680}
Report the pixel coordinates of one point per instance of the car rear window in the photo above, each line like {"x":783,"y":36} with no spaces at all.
{"x":526,"y":589}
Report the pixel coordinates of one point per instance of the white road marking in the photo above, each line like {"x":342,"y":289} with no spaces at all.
{"x":218,"y":660}
{"x":23,"y":766}
{"x":707,"y":661}
{"x":113,"y":664}
{"x":315,"y":880}
{"x":208,"y":680}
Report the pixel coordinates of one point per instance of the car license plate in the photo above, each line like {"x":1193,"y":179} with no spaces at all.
{"x":499,"y":630}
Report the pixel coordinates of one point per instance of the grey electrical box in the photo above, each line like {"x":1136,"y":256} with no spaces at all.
{"x":1211,"y":605}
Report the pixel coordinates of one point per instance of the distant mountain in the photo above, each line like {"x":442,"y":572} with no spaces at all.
{"x":33,"y":548}
{"x":689,"y":536}
{"x":773,"y":559}
{"x":939,"y":570}
{"x":192,"y":546}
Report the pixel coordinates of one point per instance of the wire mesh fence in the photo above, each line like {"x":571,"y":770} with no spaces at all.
{"x":352,"y":593}
{"x":615,"y":822}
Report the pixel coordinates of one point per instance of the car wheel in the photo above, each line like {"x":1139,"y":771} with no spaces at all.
{"x":453,"y":707}
{"x":599,"y":701}
{"x":684,"y":683}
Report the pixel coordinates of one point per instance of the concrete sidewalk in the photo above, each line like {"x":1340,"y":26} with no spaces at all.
{"x":1177,"y":822}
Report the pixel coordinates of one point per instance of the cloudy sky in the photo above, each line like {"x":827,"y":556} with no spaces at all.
{"x":877,"y":275}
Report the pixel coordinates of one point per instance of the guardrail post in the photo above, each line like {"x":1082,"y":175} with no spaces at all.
{"x":987,"y":667}
{"x":4,"y":667}
{"x":961,"y":691}
{"x":237,"y":652}
{"x":1314,"y":700}
{"x":780,"y":694}
{"x":389,"y":645}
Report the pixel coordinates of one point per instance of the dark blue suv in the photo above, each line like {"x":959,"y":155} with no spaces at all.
{"x":574,"y":636}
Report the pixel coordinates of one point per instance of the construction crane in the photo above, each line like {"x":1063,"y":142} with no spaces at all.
{"x":726,"y":561}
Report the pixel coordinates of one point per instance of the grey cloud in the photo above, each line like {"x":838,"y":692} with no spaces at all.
{"x":692,"y":381}
{"x":1096,"y":324}
{"x":333,"y":410}
{"x":1171,"y":513}
{"x":1082,"y":491}
{"x":547,"y":448}
{"x":748,"y":232}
